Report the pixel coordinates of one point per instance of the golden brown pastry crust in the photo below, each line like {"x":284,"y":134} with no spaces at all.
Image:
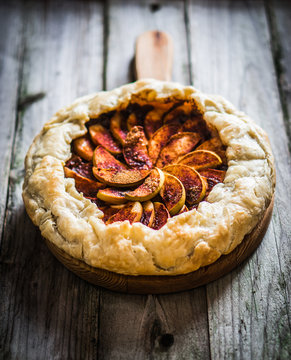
{"x":188,"y":241}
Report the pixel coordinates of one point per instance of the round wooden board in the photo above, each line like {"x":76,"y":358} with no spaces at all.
{"x":167,"y":284}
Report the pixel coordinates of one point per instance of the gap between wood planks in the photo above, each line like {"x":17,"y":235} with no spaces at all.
{"x":105,"y":42}
{"x":35,"y":281}
{"x":188,"y":39}
{"x":21,"y":102}
{"x":158,"y":323}
{"x":104,"y":85}
{"x":276,"y":49}
{"x":16,"y":122}
{"x":249,"y":50}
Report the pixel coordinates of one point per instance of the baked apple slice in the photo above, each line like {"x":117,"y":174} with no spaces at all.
{"x":111,"y":196}
{"x":195,"y":206}
{"x":101,"y":136}
{"x":178,"y":113}
{"x":149,"y":188}
{"x":214,"y":144}
{"x":183,"y":210}
{"x":116,"y":128}
{"x":153,"y":121}
{"x":173,"y":194}
{"x":108,"y":211}
{"x":83,"y":147}
{"x":81,"y":171}
{"x":201,"y":159}
{"x":104,"y":160}
{"x":193,"y":183}
{"x":213,"y":177}
{"x":148,"y":214}
{"x":77,"y":164}
{"x":192,"y":124}
{"x":136,"y":114}
{"x":161,"y":216}
{"x":131,"y":212}
{"x":84,"y":185}
{"x":112,"y":172}
{"x":120,"y":178}
{"x":177,"y":146}
{"x":196,"y":124}
{"x":160,"y":138}
{"x":135,"y":149}
{"x":132,"y":121}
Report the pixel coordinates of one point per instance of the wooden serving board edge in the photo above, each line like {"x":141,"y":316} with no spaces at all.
{"x":164,"y":284}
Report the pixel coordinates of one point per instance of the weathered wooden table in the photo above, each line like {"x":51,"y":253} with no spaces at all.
{"x":53,"y":51}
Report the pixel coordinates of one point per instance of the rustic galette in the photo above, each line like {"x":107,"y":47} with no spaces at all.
{"x":150,"y":178}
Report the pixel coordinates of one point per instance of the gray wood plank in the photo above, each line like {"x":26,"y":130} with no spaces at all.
{"x":163,"y":15}
{"x":249,"y":309}
{"x":155,"y":327}
{"x":45,"y":311}
{"x":279,"y":15}
{"x":10,"y":62}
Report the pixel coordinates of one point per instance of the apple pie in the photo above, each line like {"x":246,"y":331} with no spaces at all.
{"x":152,"y":178}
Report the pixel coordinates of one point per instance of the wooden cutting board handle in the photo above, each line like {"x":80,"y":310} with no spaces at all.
{"x":154,"y":56}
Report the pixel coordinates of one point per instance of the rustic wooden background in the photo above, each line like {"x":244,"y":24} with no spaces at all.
{"x":54,"y":51}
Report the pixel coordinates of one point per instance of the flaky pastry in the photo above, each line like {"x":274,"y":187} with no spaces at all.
{"x":187,"y":241}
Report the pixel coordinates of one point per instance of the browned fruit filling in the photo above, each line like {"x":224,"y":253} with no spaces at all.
{"x":147,"y":163}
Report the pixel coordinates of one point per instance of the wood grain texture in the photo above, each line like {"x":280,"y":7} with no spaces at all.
{"x":249,"y":309}
{"x":162,"y":15}
{"x":162,"y":327}
{"x":10,"y":63}
{"x":154,"y":56}
{"x":45,"y":311}
{"x":279,"y":15}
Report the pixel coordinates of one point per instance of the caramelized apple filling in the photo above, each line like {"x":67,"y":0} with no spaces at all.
{"x":147,"y":163}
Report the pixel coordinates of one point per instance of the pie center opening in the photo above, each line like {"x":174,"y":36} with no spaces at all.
{"x":147,"y":162}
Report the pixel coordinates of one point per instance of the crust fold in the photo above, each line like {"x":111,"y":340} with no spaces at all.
{"x":188,"y":241}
